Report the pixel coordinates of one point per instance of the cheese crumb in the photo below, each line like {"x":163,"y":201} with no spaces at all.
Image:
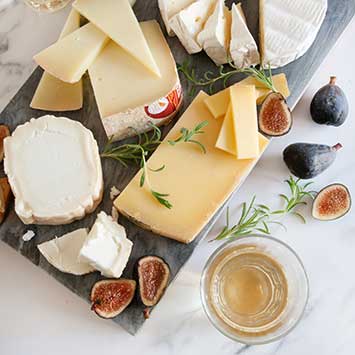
{"x":114,"y":213}
{"x":28,"y":236}
{"x":114,"y":192}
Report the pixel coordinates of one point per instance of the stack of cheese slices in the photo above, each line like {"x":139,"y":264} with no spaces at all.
{"x":287,"y":29}
{"x":116,"y":50}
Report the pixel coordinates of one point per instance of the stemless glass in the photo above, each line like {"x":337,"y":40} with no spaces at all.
{"x":47,"y":5}
{"x":297,"y":289}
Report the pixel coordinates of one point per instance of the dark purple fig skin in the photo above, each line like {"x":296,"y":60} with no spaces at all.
{"x":330,"y":105}
{"x":307,"y":161}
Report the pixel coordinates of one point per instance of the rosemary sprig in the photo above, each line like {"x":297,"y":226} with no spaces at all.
{"x":258,"y":217}
{"x":209,"y":78}
{"x":186,"y":136}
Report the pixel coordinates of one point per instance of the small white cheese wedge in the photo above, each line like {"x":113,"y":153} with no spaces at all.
{"x":107,"y":247}
{"x":54,"y":170}
{"x":288,"y":28}
{"x":215,"y":36}
{"x":63,"y":253}
{"x":243,"y":48}
{"x":169,"y":8}
{"x":188,"y":23}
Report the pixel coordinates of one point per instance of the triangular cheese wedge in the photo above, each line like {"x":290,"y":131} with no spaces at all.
{"x":215,"y":36}
{"x":226,"y":137}
{"x":118,"y":21}
{"x":53,"y":94}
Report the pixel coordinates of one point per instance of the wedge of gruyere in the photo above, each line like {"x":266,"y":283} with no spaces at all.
{"x":128,"y":97}
{"x":226,"y":138}
{"x":245,"y":119}
{"x":198,"y":184}
{"x":117,"y":20}
{"x":53,"y":94}
{"x":218,"y":103}
{"x":69,"y":58}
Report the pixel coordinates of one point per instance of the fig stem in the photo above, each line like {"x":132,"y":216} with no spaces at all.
{"x":337,"y":146}
{"x":333,"y":80}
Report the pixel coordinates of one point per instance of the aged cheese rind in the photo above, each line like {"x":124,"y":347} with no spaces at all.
{"x":69,"y":58}
{"x":53,"y":94}
{"x":54,"y":169}
{"x":63,"y":252}
{"x":198,"y":184}
{"x":288,"y":28}
{"x":130,"y":99}
{"x":118,"y":21}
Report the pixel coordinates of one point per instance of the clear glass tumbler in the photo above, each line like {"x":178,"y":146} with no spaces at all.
{"x":47,"y":5}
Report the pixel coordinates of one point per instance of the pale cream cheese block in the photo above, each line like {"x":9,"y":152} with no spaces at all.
{"x":215,"y":36}
{"x":188,"y":23}
{"x":169,"y":8}
{"x":128,"y":98}
{"x":107,"y":247}
{"x":197,"y":184}
{"x":118,"y":21}
{"x":288,"y":28}
{"x":63,"y":252}
{"x":69,"y":58}
{"x":53,"y":94}
{"x":243,"y":48}
{"x":54,"y":170}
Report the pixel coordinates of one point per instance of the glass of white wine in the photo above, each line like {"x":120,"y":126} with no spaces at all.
{"x":47,"y":5}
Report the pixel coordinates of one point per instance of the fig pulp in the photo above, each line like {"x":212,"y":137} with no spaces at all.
{"x":306,"y":160}
{"x":153,"y":277}
{"x":110,"y":297}
{"x":330,"y":105}
{"x":275,"y":118}
{"x":333,"y":202}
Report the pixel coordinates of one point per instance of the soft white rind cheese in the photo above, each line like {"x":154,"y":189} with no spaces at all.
{"x":215,"y":36}
{"x":63,"y":252}
{"x":107,"y":248}
{"x":288,"y":28}
{"x":243,"y":48}
{"x":188,"y":23}
{"x":54,"y":170}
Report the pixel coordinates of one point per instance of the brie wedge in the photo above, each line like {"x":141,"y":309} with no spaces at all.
{"x":288,"y":28}
{"x":107,"y":248}
{"x":63,"y":253}
{"x":169,"y":8}
{"x":54,"y":170}
{"x":188,"y":23}
{"x":243,"y":48}
{"x":215,"y":36}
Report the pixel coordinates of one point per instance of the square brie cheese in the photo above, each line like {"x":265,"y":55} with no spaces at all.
{"x":106,"y":248}
{"x":215,"y":36}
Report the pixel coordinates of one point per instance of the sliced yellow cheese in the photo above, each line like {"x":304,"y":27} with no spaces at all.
{"x":124,"y":89}
{"x":53,"y":94}
{"x":226,"y":137}
{"x":245,"y":118}
{"x":69,"y":58}
{"x":198,"y":184}
{"x":117,"y":19}
{"x":218,"y":103}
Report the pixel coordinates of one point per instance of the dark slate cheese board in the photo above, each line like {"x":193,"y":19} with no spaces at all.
{"x":299,"y":74}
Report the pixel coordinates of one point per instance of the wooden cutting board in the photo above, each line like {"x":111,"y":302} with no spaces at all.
{"x":299,"y":74}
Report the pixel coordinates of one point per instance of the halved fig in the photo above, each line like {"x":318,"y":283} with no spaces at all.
{"x":153,"y":277}
{"x":4,"y":132}
{"x":275,"y":118}
{"x":333,"y":202}
{"x":110,"y":297}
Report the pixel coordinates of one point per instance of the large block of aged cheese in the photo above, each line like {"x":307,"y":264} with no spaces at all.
{"x":69,"y":58}
{"x":128,"y":97}
{"x":53,"y":94}
{"x":218,"y":103}
{"x":117,"y":20}
{"x":198,"y":184}
{"x":245,"y":118}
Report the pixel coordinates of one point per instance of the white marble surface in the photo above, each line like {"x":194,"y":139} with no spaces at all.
{"x":39,"y":316}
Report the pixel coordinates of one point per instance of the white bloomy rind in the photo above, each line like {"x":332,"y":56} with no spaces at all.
{"x":54,"y":170}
